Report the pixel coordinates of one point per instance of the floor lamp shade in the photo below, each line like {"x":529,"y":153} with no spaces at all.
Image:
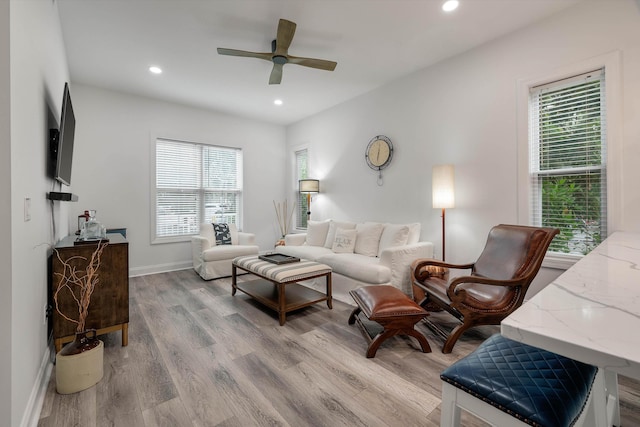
{"x":442,"y":193}
{"x":309,"y":186}
{"x":443,"y":184}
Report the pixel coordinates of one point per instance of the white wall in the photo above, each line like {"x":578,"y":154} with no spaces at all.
{"x":5,"y":213}
{"x":38,"y":72}
{"x":463,"y":111}
{"x":111,"y":167}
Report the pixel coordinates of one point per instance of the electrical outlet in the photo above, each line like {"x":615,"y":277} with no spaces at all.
{"x":46,"y":313}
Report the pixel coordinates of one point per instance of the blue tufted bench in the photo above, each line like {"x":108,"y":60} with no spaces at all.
{"x":508,"y":383}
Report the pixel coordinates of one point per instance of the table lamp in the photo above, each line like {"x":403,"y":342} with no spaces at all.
{"x":309,"y":186}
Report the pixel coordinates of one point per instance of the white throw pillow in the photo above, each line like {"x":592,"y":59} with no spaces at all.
{"x":344,"y":241}
{"x":317,"y":232}
{"x":393,"y":235}
{"x":368,"y":238}
{"x":414,"y":233}
{"x":335,"y":225}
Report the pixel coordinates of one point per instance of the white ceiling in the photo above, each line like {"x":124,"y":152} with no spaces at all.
{"x":111,"y":44}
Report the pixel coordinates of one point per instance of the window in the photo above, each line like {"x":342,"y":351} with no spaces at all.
{"x":301,"y":173}
{"x":195,"y":183}
{"x":568,"y":161}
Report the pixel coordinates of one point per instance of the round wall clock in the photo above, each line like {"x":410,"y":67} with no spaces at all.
{"x":378,"y":154}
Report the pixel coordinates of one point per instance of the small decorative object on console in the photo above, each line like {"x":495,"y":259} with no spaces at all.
{"x":92,"y":230}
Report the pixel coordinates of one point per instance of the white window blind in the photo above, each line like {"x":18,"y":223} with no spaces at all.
{"x":567,"y":167}
{"x":301,"y":173}
{"x":195,"y":183}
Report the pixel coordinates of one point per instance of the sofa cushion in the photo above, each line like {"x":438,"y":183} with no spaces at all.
{"x":228,"y":252}
{"x":393,"y":235}
{"x":333,"y":226}
{"x":304,"y":251}
{"x":368,"y":238}
{"x":344,"y":241}
{"x":359,"y":267}
{"x":414,"y":233}
{"x":317,"y":232}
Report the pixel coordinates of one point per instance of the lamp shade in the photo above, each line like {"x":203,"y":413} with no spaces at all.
{"x":309,"y":185}
{"x":443,"y":185}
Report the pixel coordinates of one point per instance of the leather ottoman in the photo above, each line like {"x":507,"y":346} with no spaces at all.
{"x":387,"y":312}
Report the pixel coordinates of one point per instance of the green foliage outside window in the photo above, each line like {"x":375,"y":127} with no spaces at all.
{"x":571,"y":175}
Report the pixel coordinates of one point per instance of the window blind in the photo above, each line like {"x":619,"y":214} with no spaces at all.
{"x":301,"y":173}
{"x":195,"y":183}
{"x":568,"y":161}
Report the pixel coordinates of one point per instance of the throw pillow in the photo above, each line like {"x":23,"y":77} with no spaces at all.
{"x":232,"y":228}
{"x":344,"y":241}
{"x":333,"y":227}
{"x":393,"y":235}
{"x":368,"y":238}
{"x":317,"y":232}
{"x":223,"y":234}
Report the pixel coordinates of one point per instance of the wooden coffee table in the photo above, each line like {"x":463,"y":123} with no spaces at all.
{"x":278,"y":288}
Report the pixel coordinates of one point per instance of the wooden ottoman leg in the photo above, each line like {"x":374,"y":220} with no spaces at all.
{"x":375,"y":343}
{"x":354,"y":314}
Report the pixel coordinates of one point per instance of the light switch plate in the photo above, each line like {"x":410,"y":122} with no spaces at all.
{"x":27,"y":209}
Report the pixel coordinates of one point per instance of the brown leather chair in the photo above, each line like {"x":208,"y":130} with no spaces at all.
{"x":497,"y":284}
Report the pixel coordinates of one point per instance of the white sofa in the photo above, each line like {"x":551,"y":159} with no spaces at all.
{"x":381,"y":253}
{"x":213,"y":261}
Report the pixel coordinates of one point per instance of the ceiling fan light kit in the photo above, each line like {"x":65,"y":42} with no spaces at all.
{"x":279,"y":54}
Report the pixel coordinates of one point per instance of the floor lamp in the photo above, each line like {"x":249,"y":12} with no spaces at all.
{"x":442,"y":193}
{"x":308,"y":187}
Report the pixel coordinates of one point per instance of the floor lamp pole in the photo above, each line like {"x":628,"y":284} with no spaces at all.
{"x":308,"y":206}
{"x":442,"y":234}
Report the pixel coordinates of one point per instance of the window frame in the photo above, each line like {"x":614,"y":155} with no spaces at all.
{"x":613,"y":84}
{"x":154,"y":238}
{"x":298,"y":197}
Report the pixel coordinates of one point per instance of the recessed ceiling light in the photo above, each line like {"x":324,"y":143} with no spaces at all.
{"x":278,"y":102}
{"x":450,"y":5}
{"x":155,"y":70}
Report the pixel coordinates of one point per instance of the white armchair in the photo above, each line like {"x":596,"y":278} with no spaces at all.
{"x":213,"y":261}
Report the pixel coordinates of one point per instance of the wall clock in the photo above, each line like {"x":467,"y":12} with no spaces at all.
{"x":378,"y":154}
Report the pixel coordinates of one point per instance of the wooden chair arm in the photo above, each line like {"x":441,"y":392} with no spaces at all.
{"x":419,"y":273}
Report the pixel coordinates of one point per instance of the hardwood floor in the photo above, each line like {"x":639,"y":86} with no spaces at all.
{"x":199,"y":357}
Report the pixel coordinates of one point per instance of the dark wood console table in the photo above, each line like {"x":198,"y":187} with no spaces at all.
{"x":109,"y":309}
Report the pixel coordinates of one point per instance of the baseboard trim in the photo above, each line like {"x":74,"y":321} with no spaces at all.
{"x":160,"y":268}
{"x":36,"y":399}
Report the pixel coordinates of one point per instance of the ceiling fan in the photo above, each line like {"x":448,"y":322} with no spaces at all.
{"x":279,"y":54}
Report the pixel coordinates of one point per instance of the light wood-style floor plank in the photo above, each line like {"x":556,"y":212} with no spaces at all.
{"x":198,"y":356}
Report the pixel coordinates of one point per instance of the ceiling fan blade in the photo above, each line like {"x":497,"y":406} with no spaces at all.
{"x":234,"y":52}
{"x":286,"y":30}
{"x":276,"y":74}
{"x":313,"y":63}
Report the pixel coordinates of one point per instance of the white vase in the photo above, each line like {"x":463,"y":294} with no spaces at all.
{"x":79,"y":370}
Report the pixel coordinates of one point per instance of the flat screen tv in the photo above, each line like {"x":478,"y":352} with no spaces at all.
{"x":62,"y":140}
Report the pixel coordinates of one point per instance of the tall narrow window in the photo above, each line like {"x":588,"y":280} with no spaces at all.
{"x":301,"y":173}
{"x":567,"y":161}
{"x":195,"y":183}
